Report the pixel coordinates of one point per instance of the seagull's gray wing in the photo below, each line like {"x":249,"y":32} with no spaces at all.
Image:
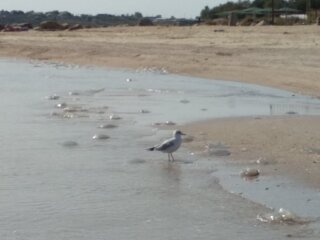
{"x":165,"y":145}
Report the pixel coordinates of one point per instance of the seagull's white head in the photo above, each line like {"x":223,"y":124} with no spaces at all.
{"x":177,"y":133}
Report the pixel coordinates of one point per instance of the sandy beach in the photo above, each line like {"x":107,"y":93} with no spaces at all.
{"x":281,"y":57}
{"x":275,"y":145}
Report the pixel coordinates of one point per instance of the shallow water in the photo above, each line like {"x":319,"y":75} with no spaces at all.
{"x":57,"y":182}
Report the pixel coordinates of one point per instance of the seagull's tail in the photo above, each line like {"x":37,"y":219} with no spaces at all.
{"x":150,"y":149}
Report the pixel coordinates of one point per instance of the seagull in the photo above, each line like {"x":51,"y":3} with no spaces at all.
{"x":170,"y":145}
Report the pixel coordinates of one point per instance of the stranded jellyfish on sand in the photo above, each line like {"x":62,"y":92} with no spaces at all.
{"x":100,"y":137}
{"x":250,"y":173}
{"x":166,"y":123}
{"x":282,"y":216}
{"x":53,"y":97}
{"x":69,"y":144}
{"x":107,"y":126}
{"x":114,"y":117}
{"x":61,"y":105}
{"x":144,"y":111}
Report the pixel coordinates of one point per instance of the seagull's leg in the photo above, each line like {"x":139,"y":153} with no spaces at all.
{"x":172,"y":157}
{"x":169,"y":157}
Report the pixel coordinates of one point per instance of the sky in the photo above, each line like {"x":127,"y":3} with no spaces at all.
{"x":166,"y":8}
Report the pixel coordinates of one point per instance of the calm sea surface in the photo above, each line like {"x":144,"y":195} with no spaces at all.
{"x":57,"y":182}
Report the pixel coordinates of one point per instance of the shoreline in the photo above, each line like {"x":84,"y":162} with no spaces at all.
{"x":279,"y":57}
{"x":275,"y":145}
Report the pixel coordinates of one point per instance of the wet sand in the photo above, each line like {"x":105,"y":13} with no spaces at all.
{"x":280,"y":145}
{"x":281,"y":57}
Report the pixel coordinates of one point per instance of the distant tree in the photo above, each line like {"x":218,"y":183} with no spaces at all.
{"x":315,"y":4}
{"x":35,"y":18}
{"x":65,"y":15}
{"x":15,"y":12}
{"x":229,"y":6}
{"x":258,"y":3}
{"x":207,"y":13}
{"x":301,"y":4}
{"x":30,"y":13}
{"x":138,"y":15}
{"x":53,"y":13}
{"x":277,"y":4}
{"x":86,"y":18}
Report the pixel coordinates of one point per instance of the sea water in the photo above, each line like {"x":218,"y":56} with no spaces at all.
{"x":59,"y":182}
